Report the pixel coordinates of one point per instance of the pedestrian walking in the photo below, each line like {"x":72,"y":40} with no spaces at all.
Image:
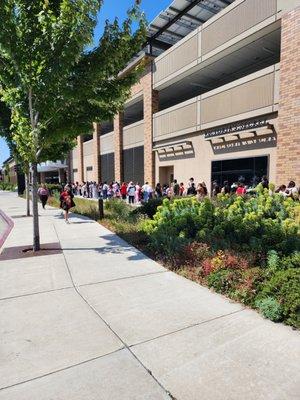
{"x":43,"y":194}
{"x":67,"y":202}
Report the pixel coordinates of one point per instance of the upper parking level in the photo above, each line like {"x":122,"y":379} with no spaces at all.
{"x":217,"y":37}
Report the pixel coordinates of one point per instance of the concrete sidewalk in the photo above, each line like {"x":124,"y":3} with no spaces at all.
{"x":101,"y":321}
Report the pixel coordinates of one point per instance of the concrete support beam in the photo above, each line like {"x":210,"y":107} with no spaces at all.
{"x":80,"y":159}
{"x":118,"y":146}
{"x":288,"y":140}
{"x":96,"y":152}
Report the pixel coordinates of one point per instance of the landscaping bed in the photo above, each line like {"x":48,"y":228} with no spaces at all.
{"x":245,"y":248}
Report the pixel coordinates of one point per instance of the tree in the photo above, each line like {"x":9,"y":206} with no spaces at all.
{"x":5,"y":122}
{"x":53,"y":85}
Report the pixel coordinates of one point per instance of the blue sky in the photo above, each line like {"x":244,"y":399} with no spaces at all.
{"x":110,"y":10}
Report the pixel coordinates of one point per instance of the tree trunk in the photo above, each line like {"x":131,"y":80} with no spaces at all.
{"x":35,"y":211}
{"x":27,"y":194}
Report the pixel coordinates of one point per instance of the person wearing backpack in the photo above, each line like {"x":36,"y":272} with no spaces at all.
{"x":131,"y":193}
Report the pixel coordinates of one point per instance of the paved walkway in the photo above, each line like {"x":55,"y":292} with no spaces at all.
{"x":103,"y":322}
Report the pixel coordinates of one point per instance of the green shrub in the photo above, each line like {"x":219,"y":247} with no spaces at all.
{"x":87,"y":208}
{"x":7,"y":186}
{"x":284,"y":286}
{"x":223,"y":281}
{"x":168,"y":247}
{"x":54,"y":187}
{"x":273,"y":260}
{"x":292,"y":261}
{"x":118,"y":209}
{"x":260,"y":223}
{"x":270,"y":308}
{"x":149,"y":208}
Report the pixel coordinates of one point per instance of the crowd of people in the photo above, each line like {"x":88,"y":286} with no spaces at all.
{"x":135,"y":193}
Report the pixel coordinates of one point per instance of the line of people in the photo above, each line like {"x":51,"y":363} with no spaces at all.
{"x":134,"y":193}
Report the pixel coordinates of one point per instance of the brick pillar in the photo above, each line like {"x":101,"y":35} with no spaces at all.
{"x":96,"y":152}
{"x":118,"y":146}
{"x":150,"y":107}
{"x":80,"y":159}
{"x":288,"y":139}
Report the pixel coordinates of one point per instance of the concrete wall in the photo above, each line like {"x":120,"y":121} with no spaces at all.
{"x":254,"y":95}
{"x":133,"y":135}
{"x":107,"y":143}
{"x":198,"y":165}
{"x":88,"y":160}
{"x":75,"y":165}
{"x":242,"y":96}
{"x":176,"y":120}
{"x":233,"y":21}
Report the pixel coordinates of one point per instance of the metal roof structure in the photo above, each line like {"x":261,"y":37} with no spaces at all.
{"x":180,"y":19}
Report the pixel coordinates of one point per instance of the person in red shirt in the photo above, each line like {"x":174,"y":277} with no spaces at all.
{"x":241,"y":190}
{"x":66,"y":198}
{"x":123,"y":191}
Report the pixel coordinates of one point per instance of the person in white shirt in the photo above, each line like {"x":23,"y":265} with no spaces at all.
{"x":105,"y":188}
{"x":131,"y":192}
{"x":145,"y":191}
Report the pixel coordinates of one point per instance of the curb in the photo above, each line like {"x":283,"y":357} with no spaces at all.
{"x":8,"y":229}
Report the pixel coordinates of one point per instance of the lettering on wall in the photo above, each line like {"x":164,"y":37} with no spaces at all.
{"x":240,"y":126}
{"x":253,"y":143}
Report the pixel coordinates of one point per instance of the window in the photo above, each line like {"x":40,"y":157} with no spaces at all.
{"x":89,"y":168}
{"x":249,"y":169}
{"x":107,"y":167}
{"x":133,"y":163}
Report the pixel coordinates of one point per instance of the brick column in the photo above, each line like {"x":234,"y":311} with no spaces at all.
{"x":118,"y":146}
{"x":96,"y":152}
{"x":150,"y":107}
{"x":80,"y":159}
{"x":288,"y":139}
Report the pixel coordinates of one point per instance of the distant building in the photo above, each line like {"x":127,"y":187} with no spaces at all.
{"x":9,"y":171}
{"x":219,"y":100}
{"x":53,"y":171}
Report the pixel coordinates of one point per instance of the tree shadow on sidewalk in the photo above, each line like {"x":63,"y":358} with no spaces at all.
{"x":113,"y":245}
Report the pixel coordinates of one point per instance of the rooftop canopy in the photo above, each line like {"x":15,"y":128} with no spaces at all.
{"x":178,"y":20}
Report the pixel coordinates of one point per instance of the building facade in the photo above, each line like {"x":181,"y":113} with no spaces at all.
{"x":219,"y":100}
